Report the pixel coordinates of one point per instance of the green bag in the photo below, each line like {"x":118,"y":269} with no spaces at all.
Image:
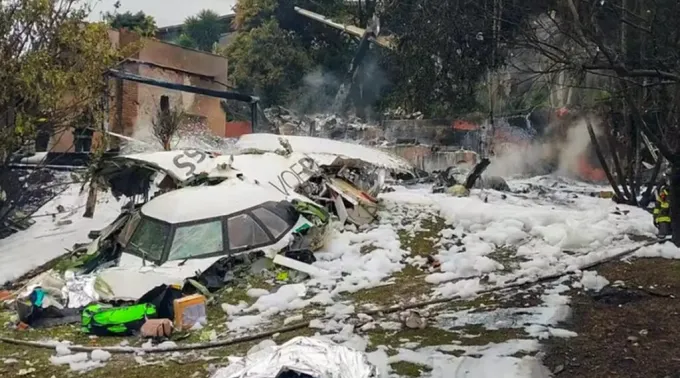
{"x":103,"y":320}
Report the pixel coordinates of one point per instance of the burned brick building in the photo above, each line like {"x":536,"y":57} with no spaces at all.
{"x":133,"y":106}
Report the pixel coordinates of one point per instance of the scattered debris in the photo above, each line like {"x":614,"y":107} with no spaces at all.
{"x":322,"y":125}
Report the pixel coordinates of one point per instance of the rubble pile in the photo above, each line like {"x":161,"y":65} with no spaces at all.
{"x":400,"y":113}
{"x":331,"y":126}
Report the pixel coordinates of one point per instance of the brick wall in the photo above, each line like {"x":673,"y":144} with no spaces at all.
{"x":184,"y":62}
{"x":133,"y":106}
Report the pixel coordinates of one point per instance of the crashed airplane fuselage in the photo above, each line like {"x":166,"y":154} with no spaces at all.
{"x":278,"y":196}
{"x":316,"y":169}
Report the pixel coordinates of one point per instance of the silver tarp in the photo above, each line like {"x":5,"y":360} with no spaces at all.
{"x":80,"y":291}
{"x":318,"y":358}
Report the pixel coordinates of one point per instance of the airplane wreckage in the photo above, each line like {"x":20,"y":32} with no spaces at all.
{"x":194,"y":215}
{"x":197,"y":220}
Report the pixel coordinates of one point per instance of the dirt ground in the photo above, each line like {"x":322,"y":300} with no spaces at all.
{"x":631,"y":331}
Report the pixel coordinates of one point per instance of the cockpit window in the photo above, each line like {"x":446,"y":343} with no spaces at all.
{"x":149,"y":239}
{"x":244,"y":232}
{"x":197,"y":240}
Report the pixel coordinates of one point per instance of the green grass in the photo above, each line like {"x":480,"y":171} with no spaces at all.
{"x":429,"y":336}
{"x":409,"y":369}
{"x":483,"y":336}
{"x":506,"y":255}
{"x":410,"y":281}
{"x":422,"y":242}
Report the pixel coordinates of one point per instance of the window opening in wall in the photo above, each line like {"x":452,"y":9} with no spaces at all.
{"x":165,"y":103}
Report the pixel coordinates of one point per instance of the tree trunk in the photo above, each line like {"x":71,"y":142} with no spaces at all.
{"x":675,"y":202}
{"x":603,"y":161}
{"x":91,"y":200}
{"x":621,"y":178}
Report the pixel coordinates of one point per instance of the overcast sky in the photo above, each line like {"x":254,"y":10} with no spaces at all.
{"x":166,"y":12}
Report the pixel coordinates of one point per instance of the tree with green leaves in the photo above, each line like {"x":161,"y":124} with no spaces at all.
{"x":268,"y":60}
{"x":138,"y":22}
{"x":299,"y":45}
{"x":52,"y":66}
{"x":202,"y":31}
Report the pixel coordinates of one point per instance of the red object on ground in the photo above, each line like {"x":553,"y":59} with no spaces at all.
{"x":235,"y":129}
{"x":561,"y":112}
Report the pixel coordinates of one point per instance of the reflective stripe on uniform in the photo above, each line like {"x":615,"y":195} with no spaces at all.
{"x":661,"y":210}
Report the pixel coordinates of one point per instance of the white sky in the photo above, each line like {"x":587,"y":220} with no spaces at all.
{"x":166,"y":12}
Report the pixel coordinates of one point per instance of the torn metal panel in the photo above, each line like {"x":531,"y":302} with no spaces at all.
{"x":133,"y":277}
{"x":340,"y":208}
{"x":300,"y":176}
{"x":321,"y":149}
{"x":362,"y":209}
{"x":132,"y":175}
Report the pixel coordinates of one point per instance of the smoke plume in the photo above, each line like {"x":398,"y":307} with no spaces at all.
{"x":559,"y":151}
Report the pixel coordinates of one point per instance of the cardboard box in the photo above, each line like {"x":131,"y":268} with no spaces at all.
{"x":189,"y":311}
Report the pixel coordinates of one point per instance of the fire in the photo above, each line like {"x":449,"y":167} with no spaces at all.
{"x":587,"y":172}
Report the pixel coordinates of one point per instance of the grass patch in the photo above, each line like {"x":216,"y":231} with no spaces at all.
{"x":429,"y":336}
{"x":409,"y":369}
{"x":422,"y":243}
{"x":507,"y":255}
{"x":233,"y":295}
{"x":409,"y":282}
{"x":366,"y":249}
{"x":483,"y":336}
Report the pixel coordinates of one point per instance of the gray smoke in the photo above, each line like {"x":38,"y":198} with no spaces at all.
{"x":322,"y":91}
{"x":562,"y":150}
